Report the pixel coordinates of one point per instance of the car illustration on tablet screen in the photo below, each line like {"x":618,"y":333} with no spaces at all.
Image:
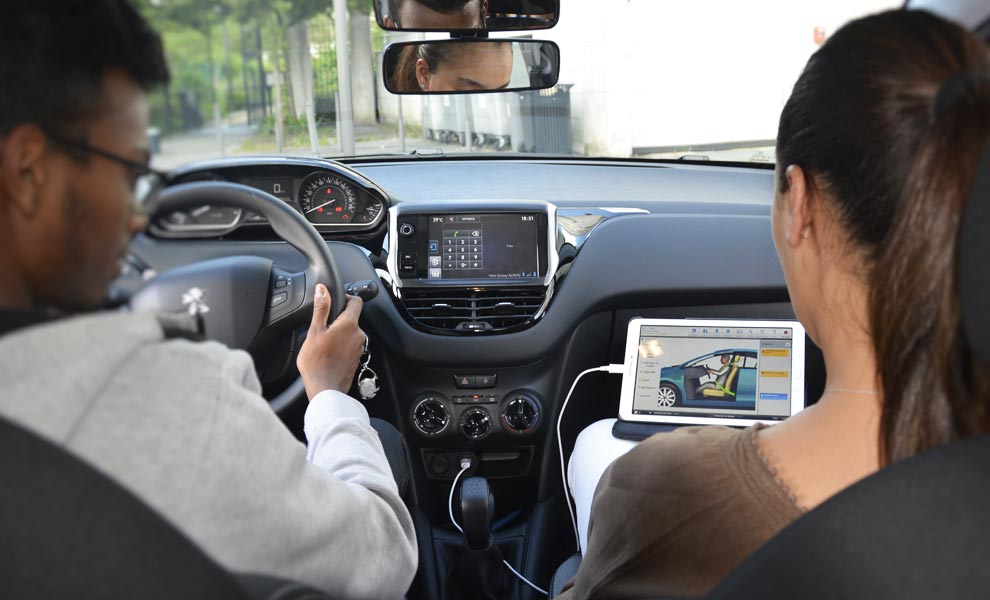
{"x":719,"y":378}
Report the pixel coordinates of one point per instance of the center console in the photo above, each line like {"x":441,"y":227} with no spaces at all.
{"x":475,"y":270}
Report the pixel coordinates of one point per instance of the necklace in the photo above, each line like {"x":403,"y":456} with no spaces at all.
{"x":838,"y":390}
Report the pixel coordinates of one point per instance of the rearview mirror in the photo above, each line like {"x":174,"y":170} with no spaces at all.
{"x":466,"y":15}
{"x":469,"y":65}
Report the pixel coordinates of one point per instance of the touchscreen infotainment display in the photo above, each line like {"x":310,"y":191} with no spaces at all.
{"x":728,"y":372}
{"x":483,"y":246}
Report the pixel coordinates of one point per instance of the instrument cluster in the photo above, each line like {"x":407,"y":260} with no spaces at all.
{"x":330,"y":200}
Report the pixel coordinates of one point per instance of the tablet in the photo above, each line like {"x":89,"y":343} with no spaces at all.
{"x":712,"y":372}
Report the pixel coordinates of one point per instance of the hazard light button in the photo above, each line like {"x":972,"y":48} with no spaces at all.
{"x":465,"y":382}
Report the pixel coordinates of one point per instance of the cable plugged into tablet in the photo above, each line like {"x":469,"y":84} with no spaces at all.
{"x":615,"y":369}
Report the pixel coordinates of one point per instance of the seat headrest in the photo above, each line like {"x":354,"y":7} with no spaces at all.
{"x":974,"y":262}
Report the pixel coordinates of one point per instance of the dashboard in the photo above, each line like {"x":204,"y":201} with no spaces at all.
{"x":501,"y":280}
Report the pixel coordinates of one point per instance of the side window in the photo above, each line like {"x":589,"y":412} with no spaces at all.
{"x":750,"y":362}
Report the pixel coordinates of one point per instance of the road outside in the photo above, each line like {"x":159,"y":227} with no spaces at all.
{"x":244,"y":140}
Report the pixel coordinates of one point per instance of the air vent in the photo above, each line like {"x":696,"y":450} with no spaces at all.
{"x":430,"y":415}
{"x":474,"y":310}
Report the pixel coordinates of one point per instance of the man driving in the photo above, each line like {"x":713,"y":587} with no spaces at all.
{"x":434,"y":14}
{"x":180,"y":424}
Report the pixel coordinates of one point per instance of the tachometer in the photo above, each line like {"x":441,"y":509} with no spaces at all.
{"x":326,"y":199}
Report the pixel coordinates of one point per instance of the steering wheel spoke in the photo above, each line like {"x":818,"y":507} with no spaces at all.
{"x":287,"y":294}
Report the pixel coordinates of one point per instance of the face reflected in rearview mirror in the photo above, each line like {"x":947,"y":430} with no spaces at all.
{"x":469,"y":65}
{"x":466,"y":15}
{"x":431,"y":15}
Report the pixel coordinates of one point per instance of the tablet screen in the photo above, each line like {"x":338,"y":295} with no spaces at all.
{"x":717,"y":371}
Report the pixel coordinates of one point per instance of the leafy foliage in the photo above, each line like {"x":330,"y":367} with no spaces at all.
{"x":213,"y":56}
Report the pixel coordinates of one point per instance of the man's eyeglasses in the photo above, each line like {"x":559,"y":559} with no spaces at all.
{"x":145,"y":179}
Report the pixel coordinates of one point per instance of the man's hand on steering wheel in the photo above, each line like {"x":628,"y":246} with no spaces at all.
{"x":330,"y":355}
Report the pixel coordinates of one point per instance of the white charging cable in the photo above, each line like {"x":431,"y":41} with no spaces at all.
{"x":613,"y":368}
{"x":465,"y":465}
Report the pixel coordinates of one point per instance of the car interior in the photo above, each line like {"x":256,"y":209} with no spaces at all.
{"x":472,"y":352}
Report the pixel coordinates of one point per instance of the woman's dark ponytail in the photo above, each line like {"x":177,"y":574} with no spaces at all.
{"x":889,"y":118}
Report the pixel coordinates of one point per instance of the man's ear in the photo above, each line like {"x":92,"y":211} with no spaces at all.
{"x":797,"y":206}
{"x":22,"y":170}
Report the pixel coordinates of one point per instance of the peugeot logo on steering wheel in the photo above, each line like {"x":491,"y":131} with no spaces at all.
{"x":194,"y":299}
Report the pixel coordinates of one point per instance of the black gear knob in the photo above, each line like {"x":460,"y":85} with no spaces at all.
{"x":477,"y":508}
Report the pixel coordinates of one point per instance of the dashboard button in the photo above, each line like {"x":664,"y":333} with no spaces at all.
{"x":465,"y":382}
{"x":281,"y":283}
{"x":407,"y":229}
{"x":279,"y":299}
{"x":485,"y":381}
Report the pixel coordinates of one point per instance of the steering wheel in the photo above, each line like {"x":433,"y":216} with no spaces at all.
{"x":245,"y":302}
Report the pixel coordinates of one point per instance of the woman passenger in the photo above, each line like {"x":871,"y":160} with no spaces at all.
{"x":460,"y":66}
{"x":877,"y":149}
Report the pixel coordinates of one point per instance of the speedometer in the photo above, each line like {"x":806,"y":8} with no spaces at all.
{"x":326,"y":199}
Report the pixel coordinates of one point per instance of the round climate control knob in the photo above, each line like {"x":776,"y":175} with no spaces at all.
{"x":476,"y":423}
{"x":521,"y":413}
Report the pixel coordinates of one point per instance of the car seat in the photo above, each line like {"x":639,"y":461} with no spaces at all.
{"x":69,"y":531}
{"x":725,"y":386}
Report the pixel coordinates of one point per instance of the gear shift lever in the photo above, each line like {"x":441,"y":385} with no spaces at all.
{"x":479,"y":572}
{"x":477,"y":508}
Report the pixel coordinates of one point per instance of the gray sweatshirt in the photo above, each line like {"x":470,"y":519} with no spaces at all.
{"x":183,"y":426}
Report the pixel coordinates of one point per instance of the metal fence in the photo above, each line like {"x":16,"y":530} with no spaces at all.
{"x":256,"y":96}
{"x":321,"y":37}
{"x":532,"y":121}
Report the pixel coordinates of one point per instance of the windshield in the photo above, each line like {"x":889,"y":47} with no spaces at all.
{"x":639,"y":78}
